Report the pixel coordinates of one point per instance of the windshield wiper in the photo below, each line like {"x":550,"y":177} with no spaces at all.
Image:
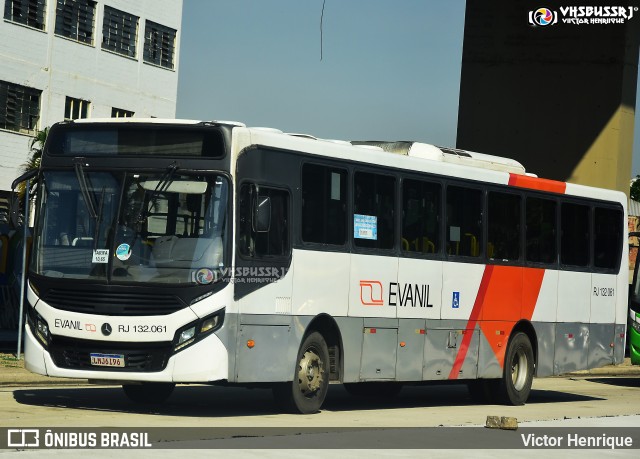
{"x":98,"y":220}
{"x":84,"y":188}
{"x":163,"y":184}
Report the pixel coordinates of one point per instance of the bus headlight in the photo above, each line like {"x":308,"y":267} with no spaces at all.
{"x":39,"y":327}
{"x":209,"y":324}
{"x":195,"y":331}
{"x":636,"y":326}
{"x":186,"y":337}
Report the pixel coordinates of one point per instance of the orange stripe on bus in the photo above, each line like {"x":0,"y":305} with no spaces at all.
{"x":475,"y":314}
{"x":506,"y":295}
{"x":535,"y":183}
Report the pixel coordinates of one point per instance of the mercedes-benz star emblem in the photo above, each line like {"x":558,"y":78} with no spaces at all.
{"x":106,"y":329}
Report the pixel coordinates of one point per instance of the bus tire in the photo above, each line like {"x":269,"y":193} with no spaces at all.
{"x":306,"y":393}
{"x":148,"y":393}
{"x":517,"y":377}
{"x":374,"y":389}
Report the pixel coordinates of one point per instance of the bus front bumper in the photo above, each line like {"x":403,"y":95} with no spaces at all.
{"x":204,"y":361}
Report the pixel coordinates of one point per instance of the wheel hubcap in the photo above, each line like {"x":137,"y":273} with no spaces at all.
{"x":310,"y":373}
{"x":519,"y":369}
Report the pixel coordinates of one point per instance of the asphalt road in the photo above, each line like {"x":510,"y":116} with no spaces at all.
{"x":238,"y":419}
{"x":416,"y":406}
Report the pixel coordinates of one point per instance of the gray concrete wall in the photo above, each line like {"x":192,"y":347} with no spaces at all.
{"x":560,"y":98}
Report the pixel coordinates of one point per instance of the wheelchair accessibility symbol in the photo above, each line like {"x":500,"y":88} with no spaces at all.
{"x":455,"y":303}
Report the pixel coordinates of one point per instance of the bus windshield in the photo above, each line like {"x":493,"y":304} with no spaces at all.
{"x":164,"y":227}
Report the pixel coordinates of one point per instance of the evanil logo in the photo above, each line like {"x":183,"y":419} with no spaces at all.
{"x":543,"y":17}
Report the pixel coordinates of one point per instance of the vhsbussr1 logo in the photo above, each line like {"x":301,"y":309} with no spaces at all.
{"x":576,"y":15}
{"x":543,"y":17}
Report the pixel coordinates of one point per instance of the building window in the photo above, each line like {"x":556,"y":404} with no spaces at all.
{"x":76,"y":108}
{"x":27,"y":12}
{"x":19,"y":107}
{"x":74,"y":19}
{"x":119,"y":32}
{"x":159,"y":44}
{"x":120,"y":113}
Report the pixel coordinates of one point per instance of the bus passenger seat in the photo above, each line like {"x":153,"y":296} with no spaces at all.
{"x":174,"y":252}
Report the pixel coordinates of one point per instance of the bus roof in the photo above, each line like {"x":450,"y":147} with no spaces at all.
{"x":410,"y":149}
{"x":154,"y":121}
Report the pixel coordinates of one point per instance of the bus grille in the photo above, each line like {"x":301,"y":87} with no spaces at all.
{"x":141,"y":357}
{"x":113,"y":303}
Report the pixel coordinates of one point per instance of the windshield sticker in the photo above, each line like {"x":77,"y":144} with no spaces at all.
{"x":204,"y":276}
{"x":100,"y":256}
{"x":365,"y":227}
{"x":123,"y":252}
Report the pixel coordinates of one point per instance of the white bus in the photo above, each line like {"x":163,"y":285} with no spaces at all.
{"x":169,"y":252}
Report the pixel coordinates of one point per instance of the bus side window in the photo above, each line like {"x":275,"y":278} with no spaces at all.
{"x":420,"y":216}
{"x":607,"y":238}
{"x":464,"y":221}
{"x":575,"y":241}
{"x":541,"y":230}
{"x":373,"y":206}
{"x":271,"y":243}
{"x":246,"y":240}
{"x":324,"y":204}
{"x":503,"y":226}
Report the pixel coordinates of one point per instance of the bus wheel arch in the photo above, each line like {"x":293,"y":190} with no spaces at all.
{"x":524,"y":326}
{"x":317,"y":362}
{"x":306,"y":392}
{"x":519,"y":365}
{"x":328,"y":328}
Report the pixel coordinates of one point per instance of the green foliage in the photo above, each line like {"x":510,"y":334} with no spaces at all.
{"x":36,"y":146}
{"x":635,"y":189}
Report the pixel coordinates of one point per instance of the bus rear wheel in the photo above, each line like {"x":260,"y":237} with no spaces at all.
{"x":148,"y":393}
{"x":515,"y":385}
{"x":306,"y":393}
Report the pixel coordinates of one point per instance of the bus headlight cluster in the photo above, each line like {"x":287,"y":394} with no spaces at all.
{"x":195,"y":331}
{"x":39,"y":327}
{"x":636,"y":326}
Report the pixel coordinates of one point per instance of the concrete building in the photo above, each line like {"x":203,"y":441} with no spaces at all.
{"x":557,"y":96}
{"x":69,"y":59}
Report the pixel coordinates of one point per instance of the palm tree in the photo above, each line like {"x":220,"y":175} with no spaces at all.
{"x":36,"y":147}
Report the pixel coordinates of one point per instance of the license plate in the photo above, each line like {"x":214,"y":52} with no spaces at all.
{"x":107,"y":360}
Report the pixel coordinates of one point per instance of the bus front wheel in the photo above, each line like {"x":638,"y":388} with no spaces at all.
{"x":306,"y":393}
{"x":517,"y":378}
{"x":148,"y":393}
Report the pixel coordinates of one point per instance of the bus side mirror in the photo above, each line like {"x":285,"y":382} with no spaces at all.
{"x":262,"y":215}
{"x":14,"y":209}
